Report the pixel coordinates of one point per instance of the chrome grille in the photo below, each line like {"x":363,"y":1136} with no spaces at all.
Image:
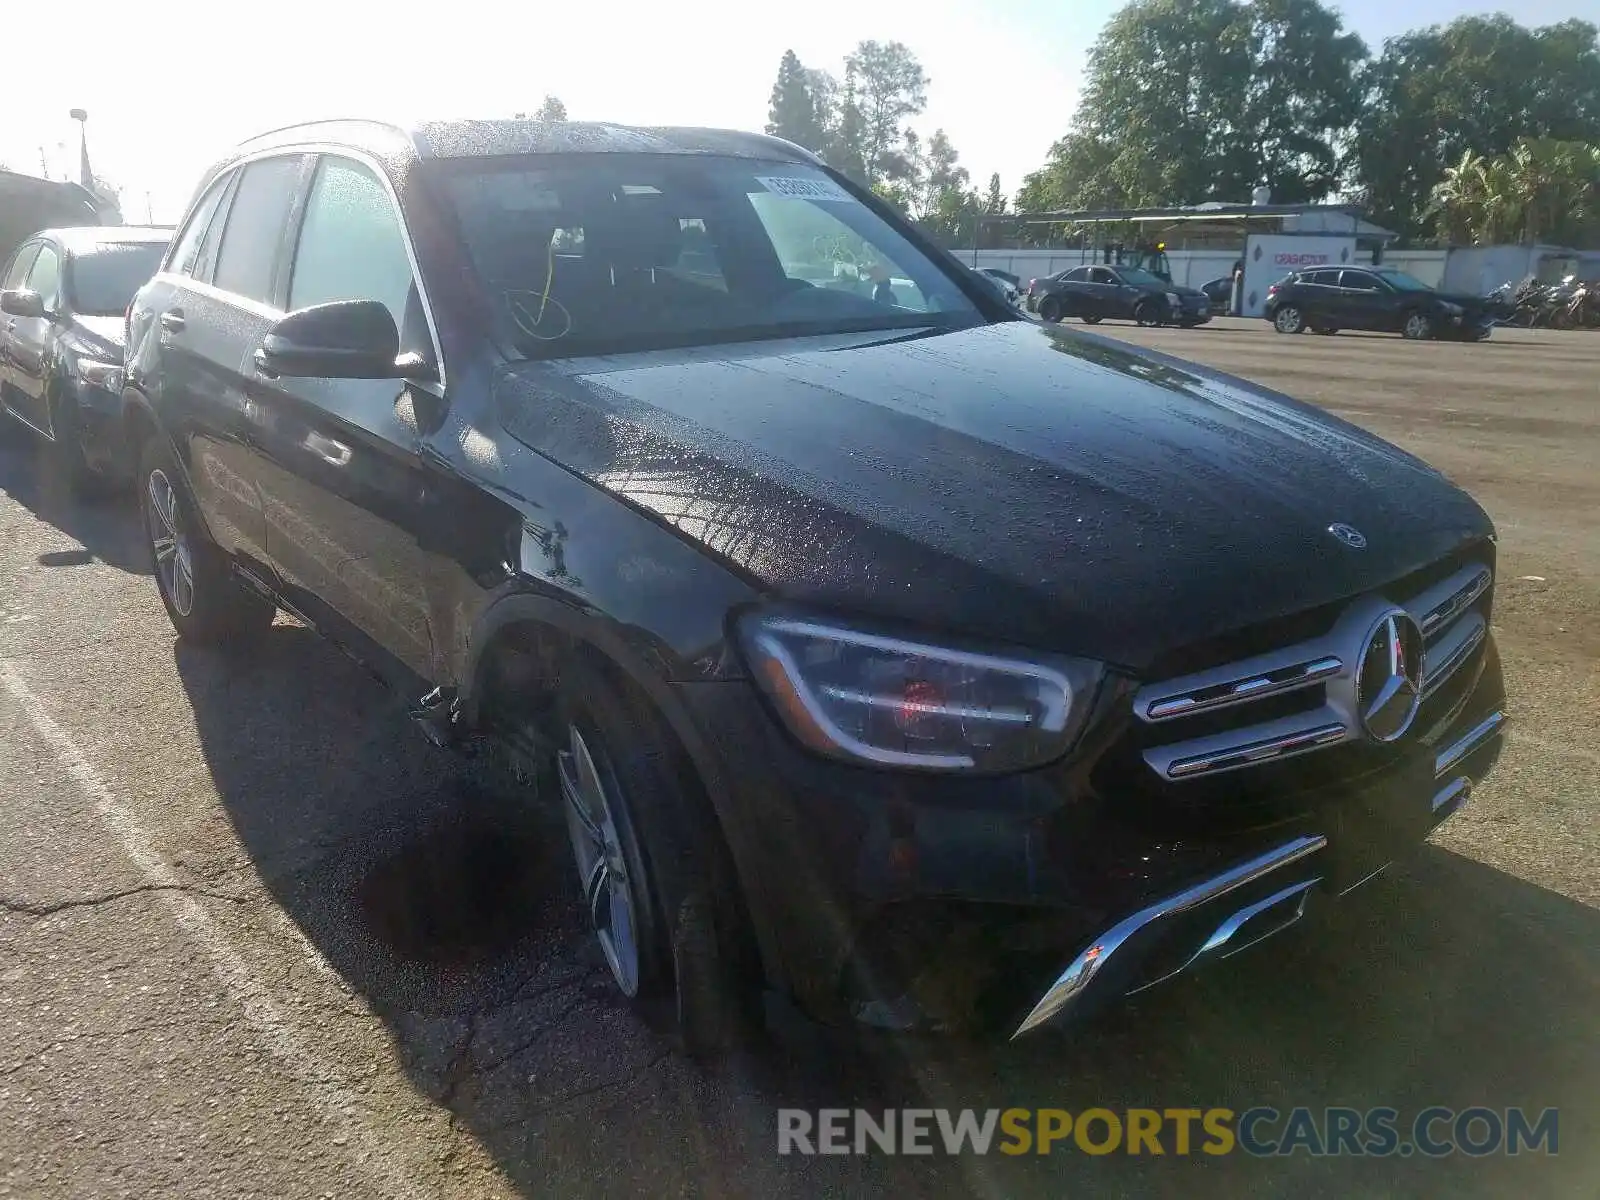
{"x":1451,"y":614}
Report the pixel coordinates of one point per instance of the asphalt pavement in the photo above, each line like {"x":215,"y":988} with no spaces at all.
{"x":258,"y":939}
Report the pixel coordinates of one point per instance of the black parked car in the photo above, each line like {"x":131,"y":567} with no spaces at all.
{"x":930,"y":666}
{"x":1328,"y":299}
{"x":1121,"y":293}
{"x":997,"y":285}
{"x":1009,"y":283}
{"x":61,"y":326}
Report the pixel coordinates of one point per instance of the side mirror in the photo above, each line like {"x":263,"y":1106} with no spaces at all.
{"x":20,"y":302}
{"x":345,"y":339}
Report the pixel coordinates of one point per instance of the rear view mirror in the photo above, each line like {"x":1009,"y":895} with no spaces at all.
{"x":346,"y":339}
{"x":20,"y":302}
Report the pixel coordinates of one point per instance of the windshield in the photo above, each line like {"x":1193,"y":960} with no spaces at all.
{"x":102,"y":281}
{"x":604,"y":253}
{"x":1404,"y":282}
{"x":1140,"y":277}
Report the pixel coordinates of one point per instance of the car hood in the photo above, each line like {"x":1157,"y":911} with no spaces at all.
{"x":103,"y":333}
{"x":1011,"y":481}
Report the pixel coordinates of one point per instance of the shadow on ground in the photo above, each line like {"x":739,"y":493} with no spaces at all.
{"x":440,"y":892}
{"x":106,"y":525}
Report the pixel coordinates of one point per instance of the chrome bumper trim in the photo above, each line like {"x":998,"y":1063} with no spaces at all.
{"x":1451,"y":796}
{"x":1083,"y":969}
{"x":1490,"y":726}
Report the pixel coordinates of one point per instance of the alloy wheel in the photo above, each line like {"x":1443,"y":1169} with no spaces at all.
{"x":592,"y":828}
{"x":174,"y":556}
{"x":1288,"y":320}
{"x":1417,"y":326}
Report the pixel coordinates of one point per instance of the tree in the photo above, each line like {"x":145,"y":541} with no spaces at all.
{"x":885,"y":85}
{"x":793,"y":111}
{"x":1303,"y":93}
{"x":1478,"y":84}
{"x":994,"y":200}
{"x":1193,"y":100}
{"x":1541,"y":190}
{"x":551,"y":110}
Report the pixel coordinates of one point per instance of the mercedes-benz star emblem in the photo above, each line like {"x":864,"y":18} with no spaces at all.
{"x":1389,"y":683}
{"x":1349,"y":535}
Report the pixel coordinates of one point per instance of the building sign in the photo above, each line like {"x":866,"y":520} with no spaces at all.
{"x":1268,"y":257}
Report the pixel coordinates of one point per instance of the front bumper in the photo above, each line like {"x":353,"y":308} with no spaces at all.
{"x":1001,"y":904}
{"x":1241,"y":906}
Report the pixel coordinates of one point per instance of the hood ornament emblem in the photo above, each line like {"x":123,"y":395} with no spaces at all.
{"x":1349,"y":535}
{"x":1389,"y":680}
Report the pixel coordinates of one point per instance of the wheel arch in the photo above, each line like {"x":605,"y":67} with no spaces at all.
{"x":519,"y":646}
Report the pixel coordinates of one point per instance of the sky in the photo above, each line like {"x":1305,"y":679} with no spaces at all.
{"x":168,"y":96}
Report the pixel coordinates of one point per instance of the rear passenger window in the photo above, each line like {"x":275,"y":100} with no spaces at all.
{"x":188,"y":247}
{"x":351,"y":245}
{"x":254,"y":234}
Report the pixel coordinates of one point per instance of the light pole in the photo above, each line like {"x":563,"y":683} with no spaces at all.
{"x":85,"y":175}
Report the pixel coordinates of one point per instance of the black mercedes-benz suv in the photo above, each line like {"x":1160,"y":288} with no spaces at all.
{"x":884,"y":649}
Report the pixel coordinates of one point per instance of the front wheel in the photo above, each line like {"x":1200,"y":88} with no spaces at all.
{"x":1289,"y":319}
{"x":1417,"y":327}
{"x":655,"y":875}
{"x":1148,"y":314}
{"x":1050,"y":309}
{"x":205,"y":603}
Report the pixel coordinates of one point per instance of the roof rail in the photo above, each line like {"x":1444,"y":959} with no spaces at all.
{"x":388,"y":125}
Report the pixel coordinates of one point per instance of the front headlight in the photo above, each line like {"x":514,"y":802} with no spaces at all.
{"x":872,"y":698}
{"x":99,"y":373}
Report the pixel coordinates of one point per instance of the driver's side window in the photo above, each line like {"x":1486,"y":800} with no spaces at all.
{"x":351,"y":245}
{"x":44,"y":277}
{"x":1101,"y":275}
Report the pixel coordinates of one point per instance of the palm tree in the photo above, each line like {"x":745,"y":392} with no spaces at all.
{"x":1459,"y":204}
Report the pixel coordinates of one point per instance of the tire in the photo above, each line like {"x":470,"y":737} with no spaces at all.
{"x":1289,"y":319}
{"x":691,"y":972}
{"x":1090,"y":319}
{"x":206,"y":604}
{"x":1050,"y":309}
{"x":1417,"y":327}
{"x":1148,"y":314}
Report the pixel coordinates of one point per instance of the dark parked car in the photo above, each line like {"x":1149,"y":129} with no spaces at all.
{"x":1120,"y":293}
{"x":1328,"y":299}
{"x":996,"y":287}
{"x":927,"y":665}
{"x":1009,"y":283}
{"x":66,"y":292}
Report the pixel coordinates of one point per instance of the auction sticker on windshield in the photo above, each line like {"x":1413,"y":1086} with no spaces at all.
{"x":804,"y":189}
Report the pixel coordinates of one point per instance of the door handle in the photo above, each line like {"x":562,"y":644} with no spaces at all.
{"x":172,"y":321}
{"x":333,"y":453}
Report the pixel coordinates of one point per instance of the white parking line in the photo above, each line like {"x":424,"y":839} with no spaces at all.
{"x":338,"y":1105}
